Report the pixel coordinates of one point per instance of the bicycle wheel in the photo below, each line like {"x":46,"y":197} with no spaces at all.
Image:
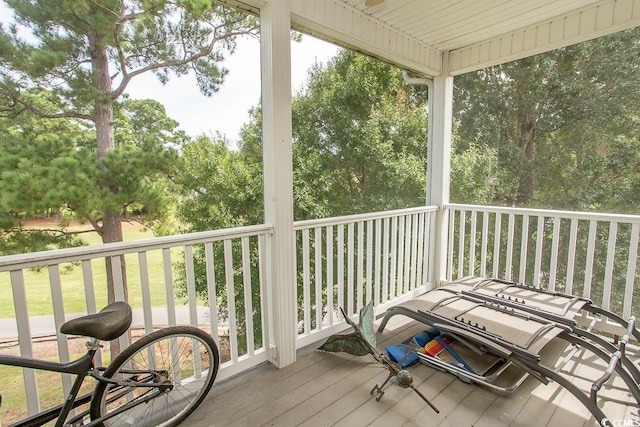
{"x":182,"y":360}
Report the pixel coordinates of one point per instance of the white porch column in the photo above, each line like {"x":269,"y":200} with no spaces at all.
{"x":439,"y":168}
{"x":275,"y":52}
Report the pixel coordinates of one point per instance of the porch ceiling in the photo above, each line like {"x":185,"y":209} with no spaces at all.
{"x":431,"y":37}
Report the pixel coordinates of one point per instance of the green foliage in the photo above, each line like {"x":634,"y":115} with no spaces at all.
{"x":72,"y":60}
{"x":219,"y":188}
{"x":80,"y":56}
{"x":359,"y":145}
{"x":564,"y":126}
{"x":47,"y":165}
{"x":473,"y":175}
{"x":360,"y":137}
{"x":565,"y":132}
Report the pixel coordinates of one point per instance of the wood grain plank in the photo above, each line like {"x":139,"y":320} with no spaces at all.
{"x":410,"y":405}
{"x":326,"y":389}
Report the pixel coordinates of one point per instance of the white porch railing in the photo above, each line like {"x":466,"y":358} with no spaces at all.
{"x":202,"y":274}
{"x":384,"y":257}
{"x":349,"y":261}
{"x":190,"y":279}
{"x":586,"y":254}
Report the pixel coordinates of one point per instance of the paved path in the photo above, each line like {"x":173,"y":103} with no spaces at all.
{"x":45,"y":325}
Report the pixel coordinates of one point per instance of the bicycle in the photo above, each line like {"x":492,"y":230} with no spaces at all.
{"x":156,"y":381}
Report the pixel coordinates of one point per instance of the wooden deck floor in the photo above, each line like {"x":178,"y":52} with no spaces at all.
{"x":323,"y":389}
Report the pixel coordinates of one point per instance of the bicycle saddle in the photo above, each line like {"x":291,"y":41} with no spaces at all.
{"x":106,"y":325}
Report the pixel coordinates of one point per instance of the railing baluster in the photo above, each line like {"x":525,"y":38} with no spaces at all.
{"x":571,"y":259}
{"x":509,"y":261}
{"x":496,"y":244}
{"x":330,"y":287}
{"x":555,"y":242}
{"x":588,"y":268}
{"x":631,"y":271}
{"x":212,"y":293}
{"x":429,"y":246}
{"x":608,"y":270}
{"x":414,"y":252}
{"x":192,"y":304}
{"x":58,"y":316}
{"x":118,"y":284}
{"x":400,"y":265}
{"x":421,"y":239}
{"x":89,"y":289}
{"x":539,"y":244}
{"x":231,"y":299}
{"x":168,"y":282}
{"x":484,"y":243}
{"x":191,"y":285}
{"x":341,"y":296}
{"x":306,"y":282}
{"x":369,"y":268}
{"x":406,"y":253}
{"x":118,"y":280}
{"x":317,"y":272}
{"x":248,"y":295}
{"x":411,"y":249}
{"x":393,"y":279}
{"x":385,"y":261}
{"x":472,"y":244}
{"x":145,"y":292}
{"x":265,"y":293}
{"x":524,"y":245}
{"x":90,"y":296}
{"x":378,"y":260}
{"x":452,"y":220}
{"x":25,"y":342}
{"x":360,"y":267}
{"x":350,"y":275}
{"x":462,"y":230}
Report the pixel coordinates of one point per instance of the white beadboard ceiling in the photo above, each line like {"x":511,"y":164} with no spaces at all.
{"x":432,"y":37}
{"x":450,"y":25}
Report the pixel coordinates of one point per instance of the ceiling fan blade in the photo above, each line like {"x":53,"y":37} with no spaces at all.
{"x":370,"y":3}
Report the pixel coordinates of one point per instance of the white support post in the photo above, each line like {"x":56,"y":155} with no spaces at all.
{"x":275,"y":51}
{"x":439,"y":168}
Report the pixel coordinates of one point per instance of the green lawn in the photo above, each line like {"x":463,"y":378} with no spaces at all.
{"x":73,"y":293}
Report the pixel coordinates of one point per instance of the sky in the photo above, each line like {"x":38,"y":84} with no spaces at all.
{"x":227,"y":110}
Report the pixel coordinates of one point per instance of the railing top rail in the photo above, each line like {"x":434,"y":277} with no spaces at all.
{"x":325,"y":222}
{"x":589,"y":216}
{"x":19,"y":261}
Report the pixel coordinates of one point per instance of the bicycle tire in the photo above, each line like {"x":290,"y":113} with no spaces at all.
{"x":190,"y":381}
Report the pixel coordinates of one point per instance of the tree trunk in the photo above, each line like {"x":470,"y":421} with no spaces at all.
{"x":112,"y":232}
{"x":527,"y":141}
{"x":103,"y":115}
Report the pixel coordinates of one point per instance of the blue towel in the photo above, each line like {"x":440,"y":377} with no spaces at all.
{"x":402,"y":354}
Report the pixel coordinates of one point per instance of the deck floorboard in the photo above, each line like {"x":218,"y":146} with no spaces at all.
{"x":325,"y":389}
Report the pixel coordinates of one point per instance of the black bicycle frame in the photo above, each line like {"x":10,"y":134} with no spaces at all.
{"x":80,"y":368}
